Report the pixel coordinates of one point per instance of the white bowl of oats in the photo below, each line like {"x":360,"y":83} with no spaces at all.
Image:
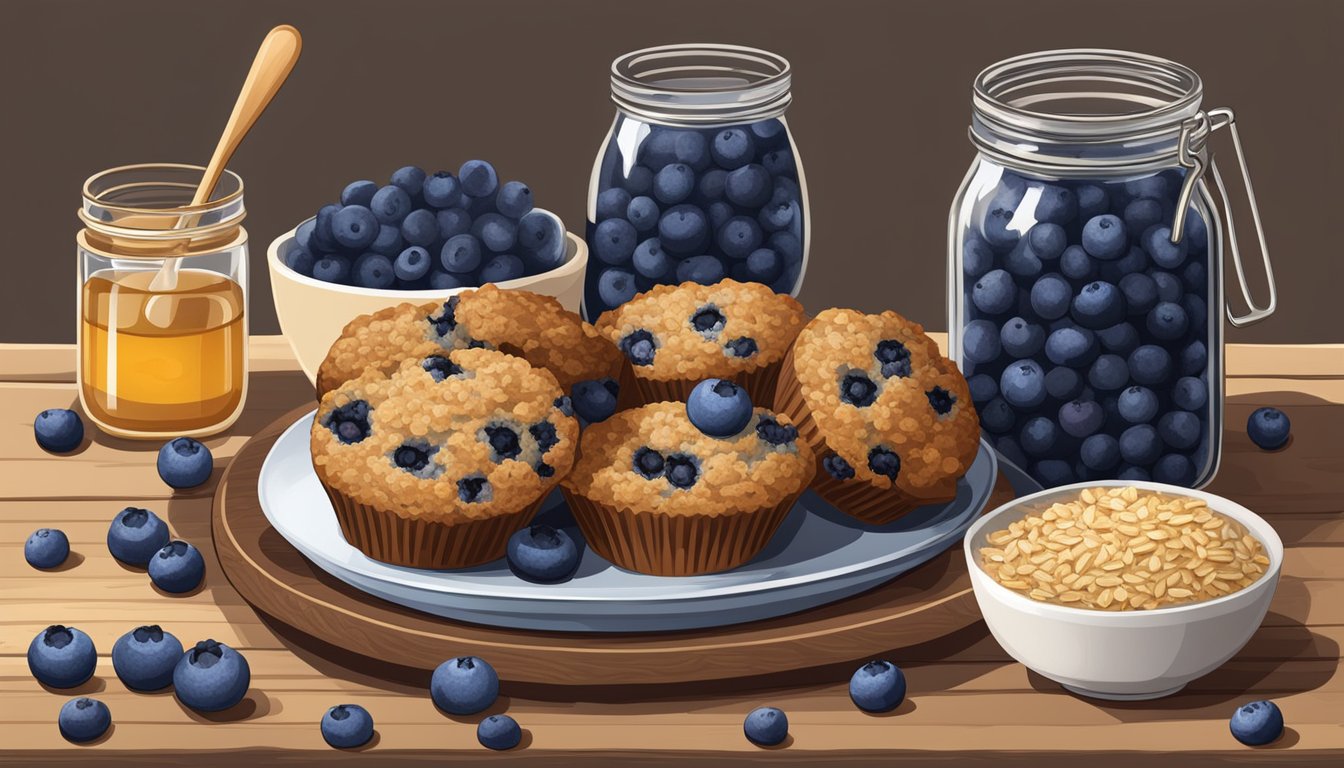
{"x":1123,"y":590}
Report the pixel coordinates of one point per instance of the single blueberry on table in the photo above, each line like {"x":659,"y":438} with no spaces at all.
{"x":1051,"y":296}
{"x":499,"y":732}
{"x":1098,"y":305}
{"x":1174,"y":469}
{"x":1140,"y":445}
{"x":145,"y":657}
{"x":514,"y":200}
{"x":211,"y":677}
{"x":502,"y":267}
{"x":346,"y":726}
{"x":478,"y":178}
{"x":857,"y":389}
{"x":1104,"y":237}
{"x":1179,"y":429}
{"x":1092,"y":201}
{"x":1076,"y":264}
{"x":1099,"y":452}
{"x":1071,"y":346}
{"x":837,"y":467}
{"x":1121,"y":338}
{"x":994,"y":293}
{"x":1141,"y":214}
{"x":739,"y":236}
{"x":977,"y":257}
{"x":732,"y":148}
{"x":1167,"y":321}
{"x":442,"y":190}
{"x":1268,"y":428}
{"x":62,"y":657}
{"x":1108,"y":372}
{"x":419,"y":228}
{"x":412,"y":264}
{"x":1138,"y":405}
{"x":749,"y":186}
{"x":1038,"y":436}
{"x":1257,"y":723}
{"x":1062,"y":383}
{"x":1189,"y":394}
{"x":1021,"y":338}
{"x":594,"y":400}
{"x":878,"y":686}
{"x":58,"y":430}
{"x":332,"y":269}
{"x":1165,"y":254}
{"x":766,"y":726}
{"x":1150,"y":365}
{"x":1053,"y":472}
{"x":136,"y":535}
{"x":1081,"y":418}
{"x":390,"y":205}
{"x":719,"y":408}
{"x":184,"y":463}
{"x":673,"y":184}
{"x":682,"y":470}
{"x":83,"y":720}
{"x":763,"y":266}
{"x":683,"y":229}
{"x":374,"y":270}
{"x":177,"y":568}
{"x":642,"y":213}
{"x":997,"y":416}
{"x":410,"y":179}
{"x":981,"y":341}
{"x":46,"y":548}
{"x":542,"y":554}
{"x":359,"y":193}
{"x":705,"y":270}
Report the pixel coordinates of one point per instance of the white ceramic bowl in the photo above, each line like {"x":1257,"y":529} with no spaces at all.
{"x":312,"y":313}
{"x":1123,"y":655}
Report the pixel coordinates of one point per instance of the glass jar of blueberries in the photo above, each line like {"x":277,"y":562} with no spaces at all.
{"x":699,"y":178}
{"x":1085,"y":278}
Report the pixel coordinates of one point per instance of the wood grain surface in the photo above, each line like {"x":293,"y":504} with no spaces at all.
{"x":968,"y":702}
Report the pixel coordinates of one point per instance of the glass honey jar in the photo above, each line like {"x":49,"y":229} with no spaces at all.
{"x":162,"y":300}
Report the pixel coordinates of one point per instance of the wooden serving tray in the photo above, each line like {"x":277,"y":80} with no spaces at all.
{"x":929,"y":602}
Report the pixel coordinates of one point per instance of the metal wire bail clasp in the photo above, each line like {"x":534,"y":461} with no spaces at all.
{"x":1193,"y":153}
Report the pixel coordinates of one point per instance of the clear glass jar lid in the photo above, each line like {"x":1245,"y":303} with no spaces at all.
{"x":701,"y":83}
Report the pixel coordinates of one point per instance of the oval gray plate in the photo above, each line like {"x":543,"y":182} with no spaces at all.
{"x":818,"y":556}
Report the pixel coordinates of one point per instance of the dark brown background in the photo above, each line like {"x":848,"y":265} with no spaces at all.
{"x":881,"y":103}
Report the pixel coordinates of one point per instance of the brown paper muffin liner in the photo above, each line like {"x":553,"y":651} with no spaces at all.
{"x":760,"y":386}
{"x":438,"y":545}
{"x":788,"y":400}
{"x":676,"y":545}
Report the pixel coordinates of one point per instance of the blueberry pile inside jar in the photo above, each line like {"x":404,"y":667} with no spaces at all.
{"x":1086,"y":341}
{"x":699,"y":178}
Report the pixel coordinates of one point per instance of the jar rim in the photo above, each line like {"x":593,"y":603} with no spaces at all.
{"x":103,"y":211}
{"x":700,"y":83}
{"x":1012,"y":117}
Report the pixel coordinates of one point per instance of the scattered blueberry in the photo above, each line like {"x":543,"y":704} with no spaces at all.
{"x":62,"y":657}
{"x":185,"y":463}
{"x":46,"y":548}
{"x":1268,"y":428}
{"x":136,"y":535}
{"x":58,"y":430}
{"x":594,"y":400}
{"x":145,"y":657}
{"x":83,"y":720}
{"x":878,"y":686}
{"x":543,"y":554}
{"x":178,"y":567}
{"x":211,"y":677}
{"x":346,"y":726}
{"x":464,"y":686}
{"x":1257,"y":723}
{"x":719,"y":408}
{"x":499,"y":732}
{"x":766,"y":726}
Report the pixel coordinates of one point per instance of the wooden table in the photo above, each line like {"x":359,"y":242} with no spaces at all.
{"x":968,"y":702}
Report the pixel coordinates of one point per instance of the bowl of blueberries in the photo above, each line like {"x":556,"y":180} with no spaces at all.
{"x":419,"y":238}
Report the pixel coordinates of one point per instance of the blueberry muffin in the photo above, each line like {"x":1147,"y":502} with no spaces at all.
{"x":889,"y":418}
{"x":436,"y":465}
{"x":677,"y":335}
{"x":655,"y":494}
{"x":529,"y":325}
